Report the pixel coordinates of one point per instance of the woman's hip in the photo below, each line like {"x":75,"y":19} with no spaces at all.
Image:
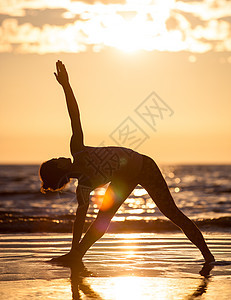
{"x":149,"y":171}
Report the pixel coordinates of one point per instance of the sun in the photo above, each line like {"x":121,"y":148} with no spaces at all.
{"x":141,"y":26}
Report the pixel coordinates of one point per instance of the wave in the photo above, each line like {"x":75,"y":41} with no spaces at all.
{"x":13,"y":223}
{"x":22,"y":192}
{"x":206,"y":190}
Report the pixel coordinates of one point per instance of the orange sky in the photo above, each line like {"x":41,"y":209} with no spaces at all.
{"x":111,"y":82}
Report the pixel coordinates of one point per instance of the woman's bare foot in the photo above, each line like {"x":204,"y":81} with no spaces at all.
{"x":72,"y":258}
{"x":206,"y":269}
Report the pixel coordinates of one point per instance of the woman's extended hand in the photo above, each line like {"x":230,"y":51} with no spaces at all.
{"x":61,"y":75}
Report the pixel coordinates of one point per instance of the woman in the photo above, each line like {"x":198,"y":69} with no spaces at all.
{"x":96,"y":166}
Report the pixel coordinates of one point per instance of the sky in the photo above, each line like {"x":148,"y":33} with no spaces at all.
{"x":154,"y":76}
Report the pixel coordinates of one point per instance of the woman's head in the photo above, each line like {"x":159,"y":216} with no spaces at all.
{"x":54,"y":174}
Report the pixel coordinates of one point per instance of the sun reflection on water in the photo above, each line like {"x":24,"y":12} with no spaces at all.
{"x":136,"y":288}
{"x":127,"y":288}
{"x":139,"y":192}
{"x":133,"y":287}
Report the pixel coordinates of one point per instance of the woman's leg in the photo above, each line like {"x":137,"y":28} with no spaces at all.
{"x":153,"y":182}
{"x":116,"y":193}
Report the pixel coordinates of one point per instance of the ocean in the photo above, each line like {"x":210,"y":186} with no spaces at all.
{"x":202,"y":192}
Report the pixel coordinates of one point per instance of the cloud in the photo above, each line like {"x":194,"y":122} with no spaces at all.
{"x":46,"y":26}
{"x":205,"y":10}
{"x":17,"y":8}
{"x":102,"y":1}
{"x":39,"y":17}
{"x":26,"y":38}
{"x":213,"y":30}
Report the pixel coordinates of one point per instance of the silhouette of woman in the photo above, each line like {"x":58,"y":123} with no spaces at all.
{"x":123,"y":168}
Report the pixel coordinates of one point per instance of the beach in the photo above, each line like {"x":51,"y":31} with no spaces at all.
{"x":142,"y":256}
{"x":118,"y":266}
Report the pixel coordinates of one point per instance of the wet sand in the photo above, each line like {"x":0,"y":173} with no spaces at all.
{"x":119,"y":266}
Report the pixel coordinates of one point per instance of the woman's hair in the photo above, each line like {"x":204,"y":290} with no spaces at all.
{"x":53,"y":178}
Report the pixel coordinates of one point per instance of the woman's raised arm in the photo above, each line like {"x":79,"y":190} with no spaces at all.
{"x":72,"y":106}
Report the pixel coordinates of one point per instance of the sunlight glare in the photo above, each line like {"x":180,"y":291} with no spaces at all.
{"x":128,"y":288}
{"x":139,"y":192}
{"x":136,"y":33}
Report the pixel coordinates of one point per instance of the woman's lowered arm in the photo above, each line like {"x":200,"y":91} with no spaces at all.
{"x":72,"y":106}
{"x":83,"y":195}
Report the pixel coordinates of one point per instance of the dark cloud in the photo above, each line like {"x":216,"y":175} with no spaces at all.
{"x":40,"y":17}
{"x":226,"y":19}
{"x":102,"y":1}
{"x":172,"y":23}
{"x":193,"y":20}
{"x":3,"y":17}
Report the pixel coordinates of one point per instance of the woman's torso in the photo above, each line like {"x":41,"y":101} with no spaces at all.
{"x":100,"y":165}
